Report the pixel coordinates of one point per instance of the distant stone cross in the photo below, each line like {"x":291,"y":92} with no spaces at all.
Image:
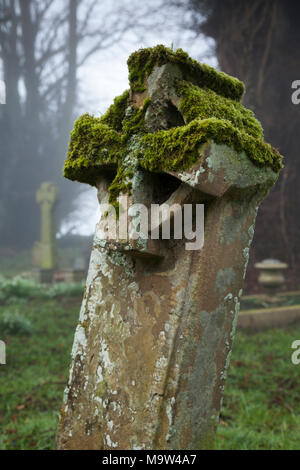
{"x":47,"y":196}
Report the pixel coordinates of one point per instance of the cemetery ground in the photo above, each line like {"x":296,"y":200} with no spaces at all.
{"x":261,"y":409}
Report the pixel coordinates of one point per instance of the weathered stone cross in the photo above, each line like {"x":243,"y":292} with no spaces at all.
{"x":154,"y":338}
{"x":47,"y":196}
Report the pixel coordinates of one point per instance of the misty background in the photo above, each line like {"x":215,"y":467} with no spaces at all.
{"x":61,"y":58}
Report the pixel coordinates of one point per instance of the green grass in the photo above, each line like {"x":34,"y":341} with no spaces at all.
{"x":70,"y":247}
{"x":18,"y":290}
{"x":33,"y":380}
{"x":12,"y":263}
{"x":261,"y":408}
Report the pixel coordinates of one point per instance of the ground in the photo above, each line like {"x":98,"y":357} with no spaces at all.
{"x":260,"y":410}
{"x":33,"y":380}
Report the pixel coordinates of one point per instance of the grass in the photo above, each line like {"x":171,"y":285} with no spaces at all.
{"x":33,"y":380}
{"x":261,"y":409}
{"x":70,"y":247}
{"x":18,"y":290}
{"x":12,"y":263}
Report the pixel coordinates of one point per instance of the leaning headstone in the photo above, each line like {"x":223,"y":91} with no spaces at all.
{"x":45,"y":251}
{"x":154,"y":337}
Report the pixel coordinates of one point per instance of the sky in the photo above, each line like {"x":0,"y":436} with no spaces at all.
{"x":105,"y":76}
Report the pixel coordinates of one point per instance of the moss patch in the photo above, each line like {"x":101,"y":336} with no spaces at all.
{"x":203,"y":103}
{"x":92,"y":144}
{"x":142,"y":62}
{"x":115,"y":114}
{"x":121,"y":184}
{"x":177,"y":148}
{"x":209,"y":104}
{"x":95,"y":142}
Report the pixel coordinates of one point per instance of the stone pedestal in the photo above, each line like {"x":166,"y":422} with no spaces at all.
{"x":43,"y":276}
{"x":69,"y":275}
{"x":271,"y":277}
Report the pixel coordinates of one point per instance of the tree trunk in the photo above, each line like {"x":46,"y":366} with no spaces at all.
{"x":258,"y":42}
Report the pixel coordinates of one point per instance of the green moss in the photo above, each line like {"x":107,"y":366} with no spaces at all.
{"x":116,"y":112}
{"x":121,"y":184}
{"x":134,"y":122}
{"x":177,"y":149}
{"x":209,"y":116}
{"x":209,"y":104}
{"x":142,"y":62}
{"x":202,"y":103}
{"x":94,"y":143}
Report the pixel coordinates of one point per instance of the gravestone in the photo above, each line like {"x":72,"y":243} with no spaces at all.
{"x":45,"y":251}
{"x":154,"y":337}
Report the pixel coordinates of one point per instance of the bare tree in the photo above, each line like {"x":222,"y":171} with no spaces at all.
{"x":43,"y":43}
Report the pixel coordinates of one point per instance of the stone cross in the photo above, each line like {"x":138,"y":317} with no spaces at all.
{"x":157,"y":322}
{"x":47,"y":196}
{"x":2,"y":353}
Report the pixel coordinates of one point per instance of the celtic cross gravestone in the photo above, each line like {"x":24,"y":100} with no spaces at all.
{"x":154,"y":337}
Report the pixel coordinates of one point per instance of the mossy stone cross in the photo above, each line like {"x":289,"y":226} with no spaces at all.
{"x":154,"y":338}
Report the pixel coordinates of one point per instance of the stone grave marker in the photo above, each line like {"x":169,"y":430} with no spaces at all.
{"x":154,"y":337}
{"x":45,"y":251}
